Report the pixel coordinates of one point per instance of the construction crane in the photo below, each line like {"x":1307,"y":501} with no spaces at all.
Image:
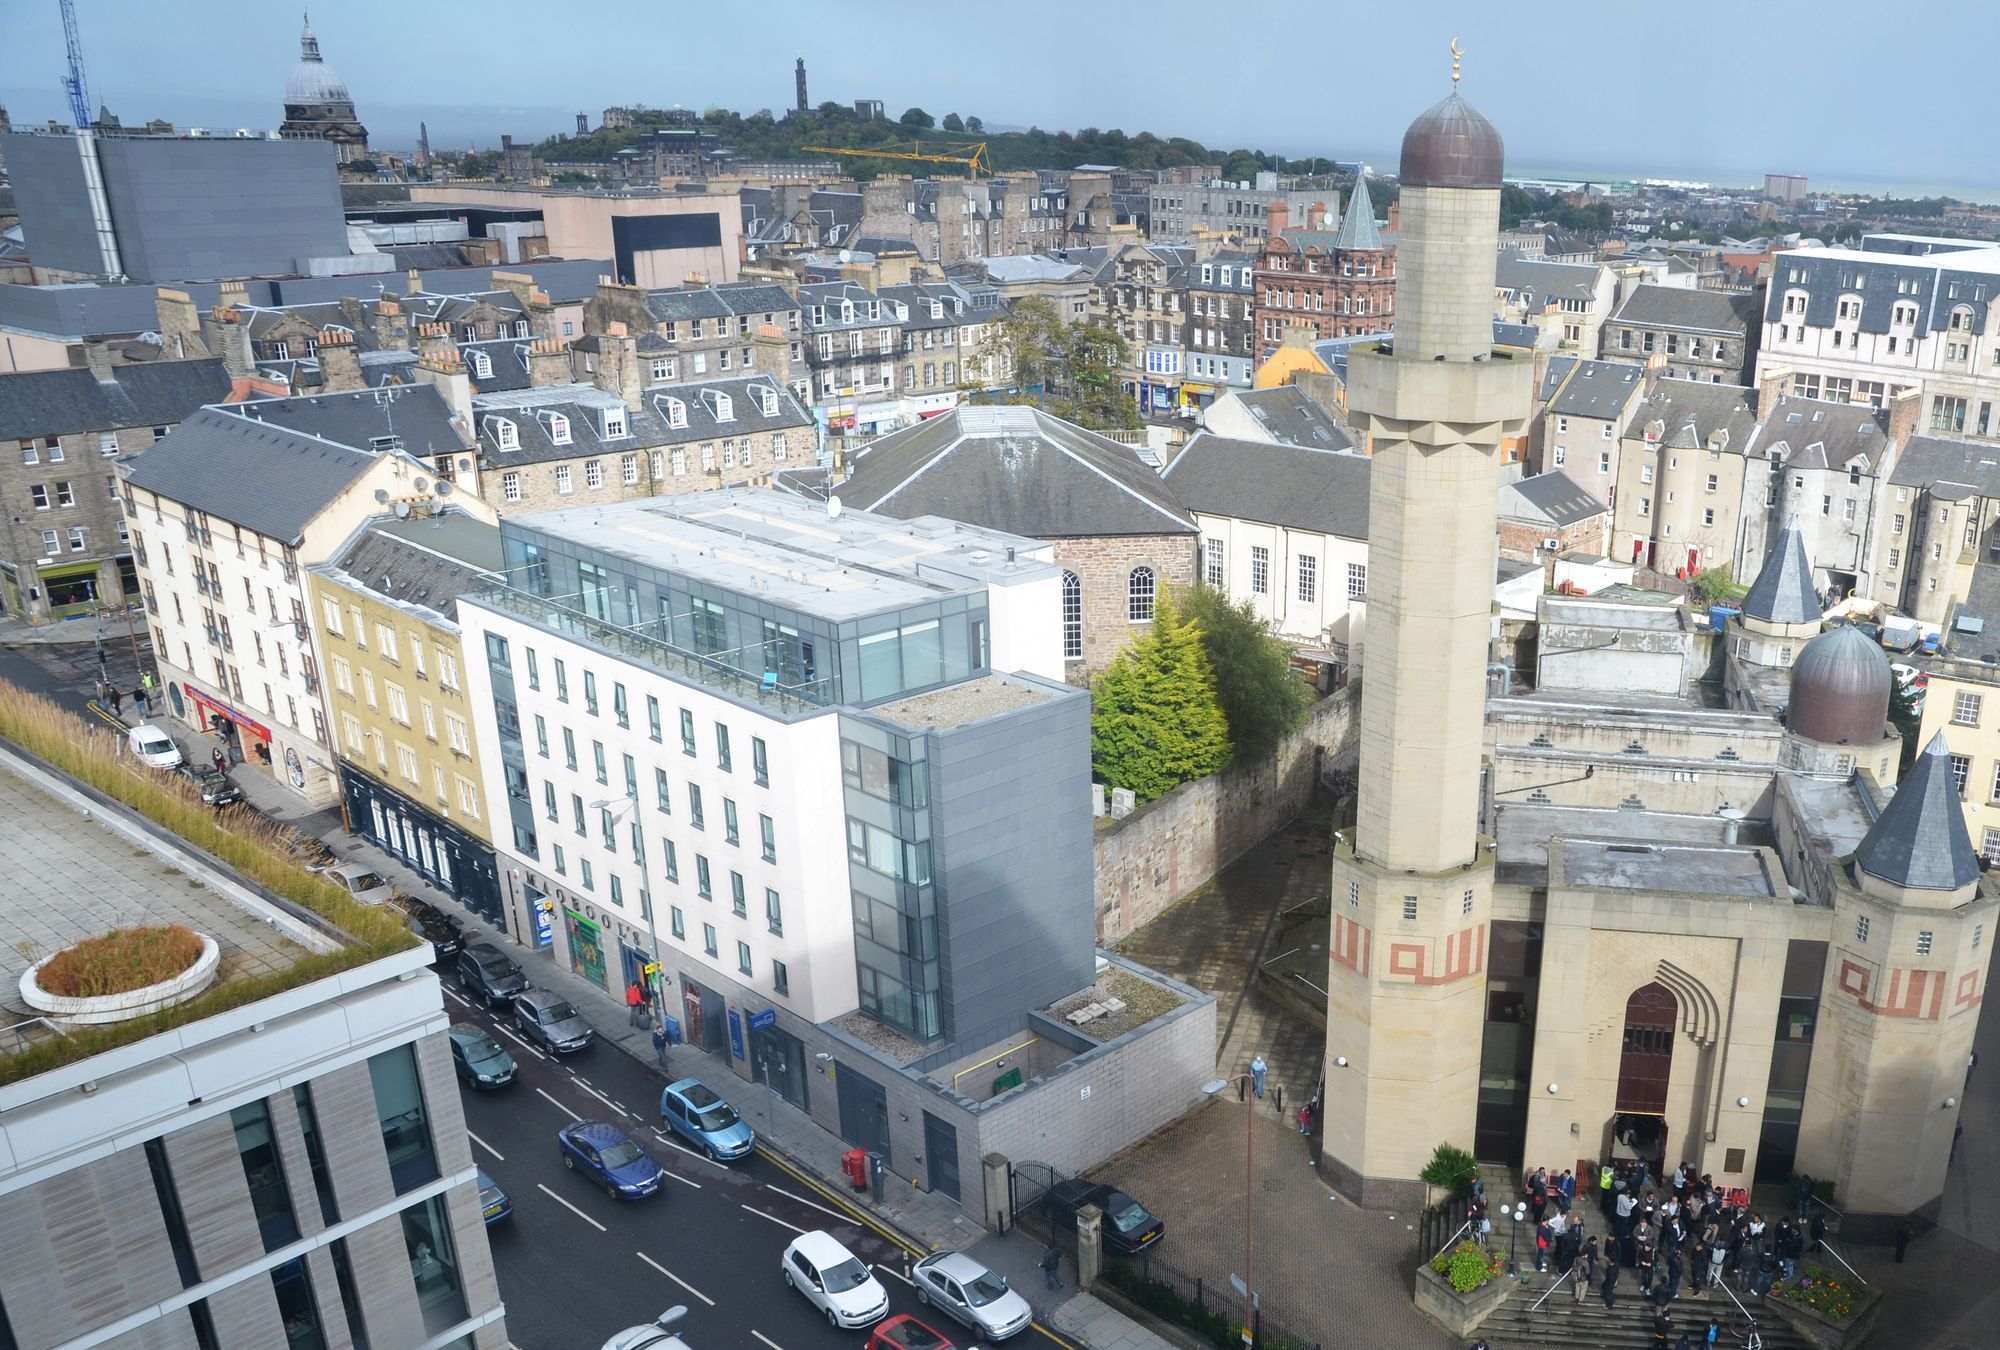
{"x":79,"y":95}
{"x":973,"y":157}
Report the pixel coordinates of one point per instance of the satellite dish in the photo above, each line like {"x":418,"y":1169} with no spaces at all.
{"x":382,"y":496}
{"x":421,"y":485}
{"x":833,"y":508}
{"x":402,"y":510}
{"x":443,"y":488}
{"x":847,"y":255}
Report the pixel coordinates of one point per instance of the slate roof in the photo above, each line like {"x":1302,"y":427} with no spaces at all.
{"x":1919,"y":841}
{"x":1809,"y":433}
{"x":506,"y":363}
{"x":418,"y":417}
{"x":1554,"y":497}
{"x":1944,"y":281}
{"x":1929,"y":460}
{"x":1783,"y":591}
{"x":64,"y":402}
{"x":1601,"y":389}
{"x":1016,"y":469}
{"x":1357,"y":227}
{"x":916,"y":299}
{"x":1324,"y":491}
{"x":428,"y":562}
{"x":828,"y":296}
{"x":648,"y":426}
{"x":1293,"y":418}
{"x":1672,"y":404}
{"x":1687,"y":310}
{"x":1545,"y":280}
{"x":254,"y":474}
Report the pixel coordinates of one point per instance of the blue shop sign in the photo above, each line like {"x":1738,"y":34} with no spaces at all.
{"x":736,"y":1033}
{"x":763,"y":1021}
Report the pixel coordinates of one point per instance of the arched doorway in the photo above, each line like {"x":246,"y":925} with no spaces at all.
{"x":1646,"y":1061}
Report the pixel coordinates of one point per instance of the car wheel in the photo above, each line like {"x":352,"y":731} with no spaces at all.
{"x":611,"y":1190}
{"x":790,"y":1283}
{"x":713,"y":1156}
{"x":833,"y":1319}
{"x":923,"y":1296}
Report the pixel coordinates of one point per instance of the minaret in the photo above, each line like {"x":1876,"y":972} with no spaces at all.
{"x":1413,"y":886}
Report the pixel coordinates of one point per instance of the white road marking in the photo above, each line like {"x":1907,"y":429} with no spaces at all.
{"x":497,"y":1155}
{"x":502,"y":1029}
{"x":698,"y":1157}
{"x":568,"y":1206}
{"x":559,"y":1106}
{"x":891,"y":1270}
{"x":457,"y":998}
{"x":601,"y":1097}
{"x":676,"y":1279}
{"x":779,"y":1190}
{"x":766,"y":1339}
{"x":774,"y":1219}
{"x":682,"y":1180}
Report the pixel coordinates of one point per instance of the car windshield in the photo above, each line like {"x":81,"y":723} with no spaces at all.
{"x":718,"y":1117}
{"x":621,"y":1154}
{"x":153,"y":745}
{"x":483,"y":1049}
{"x":556,"y":1012}
{"x":500,"y":968}
{"x":849,"y":1274}
{"x":913,"y":1335}
{"x":985,"y":1289}
{"x":1128,"y":1215}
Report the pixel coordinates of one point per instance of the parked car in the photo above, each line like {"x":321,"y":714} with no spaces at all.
{"x":485,"y":970}
{"x":968,"y":1291}
{"x":548,"y":1017}
{"x":216,"y":789}
{"x":1128,"y":1225}
{"x":480,"y":1060}
{"x":426,"y":920}
{"x":692,"y":1110}
{"x":653,"y":1336}
{"x":834,"y":1280}
{"x":362,"y":883}
{"x":153,"y":747}
{"x":904,"y":1332}
{"x":495,"y":1204}
{"x":610,"y":1157}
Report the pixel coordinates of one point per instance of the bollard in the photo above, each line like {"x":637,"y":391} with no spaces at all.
{"x":1278,"y":1100}
{"x":1089,"y":1247}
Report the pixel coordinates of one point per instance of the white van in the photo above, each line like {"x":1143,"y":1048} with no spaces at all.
{"x":153,"y":747}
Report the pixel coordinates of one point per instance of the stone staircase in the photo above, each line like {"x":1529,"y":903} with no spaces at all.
{"x":1587,"y":1326}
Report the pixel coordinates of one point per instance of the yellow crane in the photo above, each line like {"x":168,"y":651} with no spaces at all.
{"x":973,"y":157}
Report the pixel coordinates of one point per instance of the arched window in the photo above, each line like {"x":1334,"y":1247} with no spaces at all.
{"x":1139,"y":595}
{"x":1072,"y":616}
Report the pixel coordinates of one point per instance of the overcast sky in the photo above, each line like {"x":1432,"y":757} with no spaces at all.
{"x":1842,"y":92}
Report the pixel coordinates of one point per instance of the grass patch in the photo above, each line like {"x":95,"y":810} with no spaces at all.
{"x":120,"y":961}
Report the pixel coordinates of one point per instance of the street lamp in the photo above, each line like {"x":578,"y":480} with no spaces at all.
{"x":1209,"y":1089}
{"x":1518,"y":1213}
{"x":631,"y":799}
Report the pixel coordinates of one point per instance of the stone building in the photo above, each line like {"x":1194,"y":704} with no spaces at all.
{"x":1940,"y":530}
{"x":1704,"y":335}
{"x":1221,"y":330}
{"x":1140,"y":290}
{"x":1547,"y":515}
{"x":1585,"y":407}
{"x":1686,"y":489}
{"x":950,"y":344}
{"x":853,"y":338}
{"x":1121,"y":537}
{"x":708,"y":331}
{"x":318,"y":106}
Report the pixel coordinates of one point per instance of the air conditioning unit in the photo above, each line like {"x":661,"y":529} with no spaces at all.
{"x":1551,"y":544}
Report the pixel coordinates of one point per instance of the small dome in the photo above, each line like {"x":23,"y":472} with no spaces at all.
{"x":1452,"y":146}
{"x":1840,"y":689}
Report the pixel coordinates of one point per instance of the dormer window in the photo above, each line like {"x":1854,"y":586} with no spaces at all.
{"x":614,"y":423}
{"x":482,"y":365}
{"x":677,"y":412}
{"x":847,"y":311}
{"x":874,"y":310}
{"x":520,"y":328}
{"x":504,"y":433}
{"x":937,"y":309}
{"x":558,"y":426}
{"x":818,"y":315}
{"x":720,"y":405}
{"x":767,"y":399}
{"x":468,"y":332}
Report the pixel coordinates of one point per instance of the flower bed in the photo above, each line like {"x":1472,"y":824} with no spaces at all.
{"x":1829,"y":1308}
{"x":1458,"y":1289}
{"x":1468,"y":1265}
{"x":1818,"y":1289}
{"x":120,"y":961}
{"x":110,"y":969}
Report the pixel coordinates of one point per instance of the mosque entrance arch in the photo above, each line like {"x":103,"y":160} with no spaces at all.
{"x":1646,"y":1059}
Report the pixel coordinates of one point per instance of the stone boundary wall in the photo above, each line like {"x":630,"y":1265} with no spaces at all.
{"x":1168,"y":847}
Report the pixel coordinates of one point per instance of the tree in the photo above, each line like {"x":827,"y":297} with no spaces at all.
{"x":1154,"y":721}
{"x":953,"y":122}
{"x":917,"y":118}
{"x":974,"y":125}
{"x":1715,"y":586}
{"x":1450,"y":1169}
{"x":1906,"y":714}
{"x":1261,"y":697}
{"x":479,"y":164}
{"x":1069,"y":369}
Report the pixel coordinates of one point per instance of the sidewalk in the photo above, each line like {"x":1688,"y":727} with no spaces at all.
{"x":923,"y":1221}
{"x":18,"y":632}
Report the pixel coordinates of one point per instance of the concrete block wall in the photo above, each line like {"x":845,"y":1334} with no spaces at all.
{"x":1156,"y":855}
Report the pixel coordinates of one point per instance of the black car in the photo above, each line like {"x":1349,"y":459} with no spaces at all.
{"x":485,"y":970}
{"x":426,"y":920}
{"x":1128,"y":1225}
{"x":215,"y":788}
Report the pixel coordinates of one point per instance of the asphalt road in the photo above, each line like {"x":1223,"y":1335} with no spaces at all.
{"x":67,"y":672}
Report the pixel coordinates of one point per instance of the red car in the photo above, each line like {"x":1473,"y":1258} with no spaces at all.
{"x":904,"y":1332}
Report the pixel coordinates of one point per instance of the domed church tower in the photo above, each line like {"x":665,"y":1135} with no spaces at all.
{"x":317,"y":105}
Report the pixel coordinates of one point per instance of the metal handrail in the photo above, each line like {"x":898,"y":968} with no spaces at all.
{"x":1824,"y":1205}
{"x":1551,"y":1289}
{"x":1448,"y":1241}
{"x":1843,"y":1260}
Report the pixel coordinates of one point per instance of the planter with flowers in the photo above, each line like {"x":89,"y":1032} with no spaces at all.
{"x":1830,"y":1308}
{"x":1462,"y":1286}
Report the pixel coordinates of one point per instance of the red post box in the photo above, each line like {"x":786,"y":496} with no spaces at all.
{"x":854,"y":1163}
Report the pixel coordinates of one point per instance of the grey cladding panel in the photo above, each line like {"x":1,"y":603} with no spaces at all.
{"x":83,"y":1249}
{"x":297,"y":1164}
{"x":215,"y":1197}
{"x":381,"y":1261}
{"x":171,"y":1332}
{"x":246,"y":1313}
{"x":441,"y":1103}
{"x":351,"y":1132}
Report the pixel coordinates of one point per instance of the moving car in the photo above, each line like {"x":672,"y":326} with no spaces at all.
{"x":360,"y":882}
{"x":215,"y":788}
{"x":153,"y":747}
{"x":495,"y":1204}
{"x":653,"y":1336}
{"x":692,"y":1110}
{"x":485,"y":970}
{"x":479,"y":1059}
{"x":904,"y":1332}
{"x":834,"y":1280}
{"x":612,"y":1158}
{"x":548,"y":1017}
{"x":426,"y":920}
{"x":1128,"y":1225}
{"x":968,"y":1291}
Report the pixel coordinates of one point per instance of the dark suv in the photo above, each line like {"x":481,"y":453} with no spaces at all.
{"x":427,"y":921}
{"x":489,"y":973}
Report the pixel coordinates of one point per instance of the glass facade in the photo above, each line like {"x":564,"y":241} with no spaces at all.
{"x":262,"y":1168}
{"x":1791,"y":1060}
{"x":406,"y":1131}
{"x":1507,"y":1049}
{"x":434,"y":1264}
{"x":886,"y":791}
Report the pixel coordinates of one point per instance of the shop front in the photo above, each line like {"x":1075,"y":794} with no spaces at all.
{"x":586,"y":946}
{"x":451,"y":859}
{"x":72,"y":589}
{"x":243,"y":737}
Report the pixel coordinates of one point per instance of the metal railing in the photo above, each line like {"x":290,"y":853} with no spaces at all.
{"x":1834,"y":1252}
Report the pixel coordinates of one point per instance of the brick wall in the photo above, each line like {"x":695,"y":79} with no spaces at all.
{"x":1104,"y":565}
{"x":1521,"y":538}
{"x":1165,"y":849}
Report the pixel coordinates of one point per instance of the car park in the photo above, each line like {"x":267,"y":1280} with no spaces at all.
{"x":611,"y":1158}
{"x":550,"y":1019}
{"x":153,"y":747}
{"x":481,"y":1061}
{"x":959,"y":1286}
{"x":834,"y":1280}
{"x":215,"y":788}
{"x":904,"y":1332}
{"x":1128,"y":1225}
{"x":485,"y":970}
{"x":692,"y":1110}
{"x":364,"y":884}
{"x":495,"y":1205}
{"x":427,"y":921}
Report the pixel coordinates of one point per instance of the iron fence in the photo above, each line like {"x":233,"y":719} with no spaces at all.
{"x":1190,"y":1301}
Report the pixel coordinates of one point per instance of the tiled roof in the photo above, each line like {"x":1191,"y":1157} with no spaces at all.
{"x":1919,"y":841}
{"x":533,"y":413}
{"x":148,"y":394}
{"x":1688,"y":310}
{"x":1783,"y":591}
{"x":250,"y":473}
{"x":1289,"y":416}
{"x":1555,"y":497}
{"x":1602,"y":389}
{"x":1324,"y":491}
{"x":428,"y":562}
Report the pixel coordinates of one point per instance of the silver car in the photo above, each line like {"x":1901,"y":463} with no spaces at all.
{"x":548,"y":1017}
{"x":973,"y":1294}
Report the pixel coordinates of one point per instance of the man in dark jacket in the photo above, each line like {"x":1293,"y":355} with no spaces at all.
{"x":1610,"y":1290}
{"x":1904,"y":1232}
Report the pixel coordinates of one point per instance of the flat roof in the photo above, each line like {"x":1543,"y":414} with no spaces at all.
{"x":1642,"y":865}
{"x":792,"y":552}
{"x":966,"y":701}
{"x":1523,"y":829}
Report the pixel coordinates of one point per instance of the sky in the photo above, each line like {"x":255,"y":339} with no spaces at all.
{"x":1697,"y":89}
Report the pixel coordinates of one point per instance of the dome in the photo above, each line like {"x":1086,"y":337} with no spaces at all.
{"x":1840,"y":689}
{"x":314,"y":81}
{"x":1452,"y":146}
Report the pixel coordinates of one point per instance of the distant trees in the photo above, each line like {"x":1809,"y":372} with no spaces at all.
{"x":953,"y":122}
{"x":1069,"y":369}
{"x":917,"y":119}
{"x":974,"y":125}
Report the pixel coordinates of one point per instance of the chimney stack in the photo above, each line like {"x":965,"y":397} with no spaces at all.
{"x":548,"y":363}
{"x":232,"y":341}
{"x":97,"y":356}
{"x":1774,"y":386}
{"x":618,"y":365}
{"x":392,"y":328}
{"x":1902,"y":421}
{"x":339,"y":363}
{"x":1277,"y":217}
{"x":440,"y":366}
{"x":180,"y":325}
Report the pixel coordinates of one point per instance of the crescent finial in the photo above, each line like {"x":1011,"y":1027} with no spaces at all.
{"x":1455,"y":55}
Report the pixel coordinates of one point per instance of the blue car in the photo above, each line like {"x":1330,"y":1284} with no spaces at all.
{"x":611,"y":1157}
{"x":494,"y":1204}
{"x":692,"y":1110}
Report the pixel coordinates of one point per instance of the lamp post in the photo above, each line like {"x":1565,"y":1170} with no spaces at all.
{"x":1518,"y":1213}
{"x":1249,"y":1201}
{"x":631,"y":799}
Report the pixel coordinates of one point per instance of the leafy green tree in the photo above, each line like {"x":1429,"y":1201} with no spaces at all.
{"x":1069,"y":369}
{"x":1261,"y":697}
{"x":1906,"y":714}
{"x":974,"y":125}
{"x":1154,"y":721}
{"x":1716,"y":586}
{"x":480,"y":164}
{"x":917,"y":118}
{"x":953,"y":122}
{"x":1452,"y":1169}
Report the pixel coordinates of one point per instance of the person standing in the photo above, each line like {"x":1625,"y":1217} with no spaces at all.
{"x":219,"y":759}
{"x":1904,"y":1232}
{"x":117,"y":700}
{"x":1257,"y":1071}
{"x":1610,"y":1290}
{"x":1718,"y":1257}
{"x":1305,"y":1119}
{"x":1803,"y":1190}
{"x":142,"y":703}
{"x":1584,"y":1272}
{"x":1052,"y":1267}
{"x":635,"y":1001}
{"x":660,"y":1045}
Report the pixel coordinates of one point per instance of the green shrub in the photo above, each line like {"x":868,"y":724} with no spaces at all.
{"x":1451,"y":1169}
{"x":1467,"y":1266}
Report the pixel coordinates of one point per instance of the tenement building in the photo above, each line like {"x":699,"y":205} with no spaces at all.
{"x":1636,"y":913}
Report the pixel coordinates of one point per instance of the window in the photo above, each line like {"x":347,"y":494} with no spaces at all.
{"x":263,"y":1168}
{"x":593,"y":473}
{"x":1260,"y":573}
{"x":76,"y":541}
{"x":708,"y":938}
{"x":38,"y":493}
{"x":653,"y":717}
{"x":1960,"y":766}
{"x":774,"y":914}
{"x":781,"y":980}
{"x":729,"y":831}
{"x":1072,"y":616}
{"x":590,"y":692}
{"x":1409,"y":907}
{"x":1308,"y":578}
{"x":738,"y":904}
{"x":589,"y":879}
{"x":760,"y":763}
{"x":1211,"y":561}
{"x":399,"y":1107}
{"x":743,"y":957}
{"x":1357,"y":581}
{"x":1965,"y":709}
{"x":620,"y":709}
{"x":1139,"y":588}
{"x":1861,"y":928}
{"x":722,"y":757}
{"x":569,"y":748}
{"x":687,"y":732}
{"x":434,"y":1264}
{"x":597,"y":762}
{"x":562,"y":478}
{"x":767,"y":832}
{"x":315,"y":1152}
{"x":694,"y":807}
{"x":678,"y":921}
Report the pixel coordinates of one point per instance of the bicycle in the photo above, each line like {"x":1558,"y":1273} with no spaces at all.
{"x":1744,"y":1329}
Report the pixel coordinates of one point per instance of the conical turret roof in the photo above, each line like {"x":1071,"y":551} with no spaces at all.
{"x":1783,"y":591}
{"x":1357,"y":227}
{"x":1919,"y":841}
